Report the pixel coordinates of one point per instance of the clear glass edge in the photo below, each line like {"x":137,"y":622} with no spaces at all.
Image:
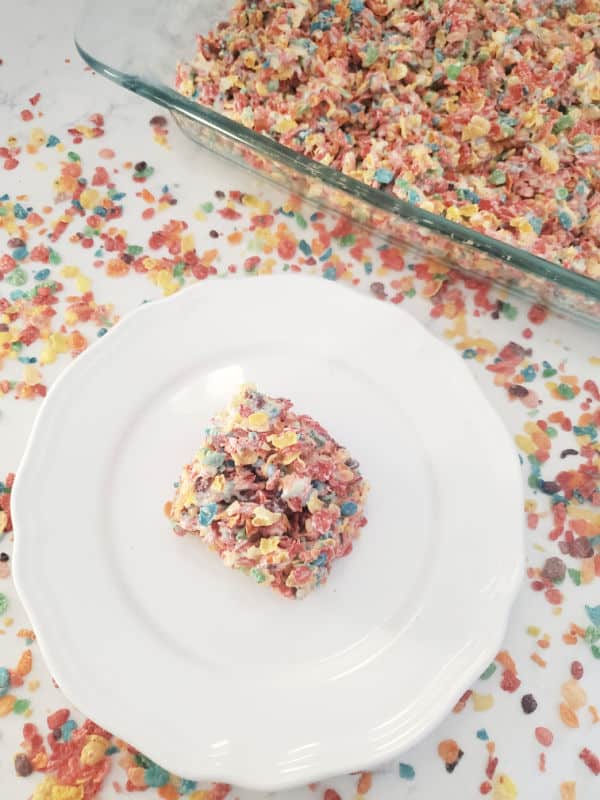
{"x":270,"y":149}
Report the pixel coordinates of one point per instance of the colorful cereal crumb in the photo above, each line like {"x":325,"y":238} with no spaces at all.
{"x":504,"y":788}
{"x":528,"y":703}
{"x":450,"y":753}
{"x":272,"y":493}
{"x":544,"y":736}
{"x":591,"y":760}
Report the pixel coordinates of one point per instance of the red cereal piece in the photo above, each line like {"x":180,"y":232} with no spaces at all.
{"x":537,"y":314}
{"x":544,"y":736}
{"x":58,"y":718}
{"x":591,"y":760}
{"x":509,"y":682}
{"x":577,"y":670}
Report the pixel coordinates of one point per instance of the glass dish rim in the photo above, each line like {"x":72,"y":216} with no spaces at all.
{"x":270,"y":149}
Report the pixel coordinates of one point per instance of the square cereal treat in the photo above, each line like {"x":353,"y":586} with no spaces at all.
{"x":272,"y":493}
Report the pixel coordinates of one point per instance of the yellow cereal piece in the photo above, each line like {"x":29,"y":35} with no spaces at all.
{"x":83,"y":283}
{"x":69,"y":271}
{"x":533,"y":630}
{"x":42,"y":790}
{"x":285,"y":439}
{"x":522,"y":225}
{"x":285,"y":125}
{"x":3,"y":521}
{"x":58,"y":342}
{"x":66,"y":792}
{"x":504,"y":788}
{"x":263,"y":517}
{"x":481,"y":702}
{"x":93,"y":751}
{"x":89,"y":198}
{"x":258,"y":421}
{"x":289,"y":457}
{"x":398,"y":71}
{"x":218,"y":484}
{"x":548,"y":159}
{"x":453,"y":214}
{"x":531,"y":118}
{"x":48,"y":355}
{"x":187,"y":243}
{"x":476,"y":127}
{"x":37,"y":137}
{"x":525,"y":444}
{"x":314,"y":504}
{"x":245,"y":458}
{"x":199,"y":794}
{"x":268,"y":544}
{"x":31,"y":375}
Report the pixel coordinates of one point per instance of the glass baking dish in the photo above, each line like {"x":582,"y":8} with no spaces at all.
{"x":138,"y":43}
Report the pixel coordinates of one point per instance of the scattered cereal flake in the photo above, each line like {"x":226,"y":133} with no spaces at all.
{"x":482,"y":702}
{"x":568,"y":716}
{"x":504,"y":788}
{"x":568,"y":790}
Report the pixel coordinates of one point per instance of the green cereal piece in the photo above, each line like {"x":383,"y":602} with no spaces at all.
{"x":575,"y":576}
{"x":21,"y":706}
{"x":487,"y":673}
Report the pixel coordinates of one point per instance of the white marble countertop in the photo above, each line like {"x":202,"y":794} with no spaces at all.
{"x":38,"y":56}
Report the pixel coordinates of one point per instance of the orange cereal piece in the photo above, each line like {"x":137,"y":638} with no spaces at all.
{"x":568,"y":716}
{"x":25,"y":663}
{"x":573,"y":694}
{"x":504,"y":658}
{"x":448,"y":751}
{"x":136,"y":776}
{"x":567,"y":790}
{"x":7,"y":704}
{"x":364,"y":782}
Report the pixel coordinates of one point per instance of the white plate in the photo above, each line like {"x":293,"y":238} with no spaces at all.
{"x":204,"y":671}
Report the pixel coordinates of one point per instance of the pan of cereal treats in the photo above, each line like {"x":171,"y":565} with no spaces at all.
{"x":485,"y":112}
{"x":469,"y":129}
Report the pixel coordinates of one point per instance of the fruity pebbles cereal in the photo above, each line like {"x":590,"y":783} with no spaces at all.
{"x":482,"y":111}
{"x":272,"y":493}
